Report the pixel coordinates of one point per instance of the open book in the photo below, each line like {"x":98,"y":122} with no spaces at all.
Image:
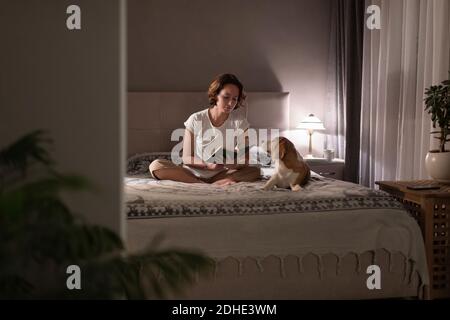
{"x":202,"y":173}
{"x":207,"y":174}
{"x":227,"y":154}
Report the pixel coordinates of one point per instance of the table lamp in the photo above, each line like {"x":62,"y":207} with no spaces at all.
{"x":311,"y":123}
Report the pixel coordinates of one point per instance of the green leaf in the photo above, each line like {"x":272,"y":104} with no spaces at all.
{"x":22,"y":153}
{"x":39,"y":234}
{"x":437,"y":104}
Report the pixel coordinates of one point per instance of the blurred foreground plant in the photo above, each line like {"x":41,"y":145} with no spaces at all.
{"x":40,"y":237}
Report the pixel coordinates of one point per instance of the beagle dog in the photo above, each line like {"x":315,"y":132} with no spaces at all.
{"x":290,"y":168}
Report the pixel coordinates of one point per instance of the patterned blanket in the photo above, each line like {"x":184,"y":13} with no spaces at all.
{"x":149,"y":198}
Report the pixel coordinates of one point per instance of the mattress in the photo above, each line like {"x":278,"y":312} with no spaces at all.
{"x":241,"y":221}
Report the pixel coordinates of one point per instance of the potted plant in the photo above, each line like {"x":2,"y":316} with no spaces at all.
{"x":437,"y":103}
{"x":40,"y":237}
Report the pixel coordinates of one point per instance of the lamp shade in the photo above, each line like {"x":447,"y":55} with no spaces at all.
{"x":311,"y":122}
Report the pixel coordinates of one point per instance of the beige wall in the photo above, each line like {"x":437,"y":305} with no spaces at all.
{"x":68,"y":82}
{"x":272,"y":45}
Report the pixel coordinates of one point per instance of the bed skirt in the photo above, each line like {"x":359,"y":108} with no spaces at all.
{"x":308,"y":277}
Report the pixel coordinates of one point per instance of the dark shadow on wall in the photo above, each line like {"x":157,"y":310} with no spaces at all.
{"x":182,"y":46}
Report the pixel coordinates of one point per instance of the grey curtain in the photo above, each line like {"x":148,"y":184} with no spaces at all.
{"x":409,"y":53}
{"x":344,"y":83}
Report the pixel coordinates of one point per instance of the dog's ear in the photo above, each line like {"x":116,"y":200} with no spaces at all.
{"x":286,"y":147}
{"x":282,"y":148}
{"x":289,"y":147}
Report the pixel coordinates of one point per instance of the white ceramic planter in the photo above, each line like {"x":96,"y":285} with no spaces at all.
{"x":437,"y":165}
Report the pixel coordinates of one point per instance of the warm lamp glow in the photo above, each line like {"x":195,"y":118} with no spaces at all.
{"x":311,"y":123}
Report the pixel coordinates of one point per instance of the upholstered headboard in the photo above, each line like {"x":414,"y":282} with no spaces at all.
{"x":152,"y":116}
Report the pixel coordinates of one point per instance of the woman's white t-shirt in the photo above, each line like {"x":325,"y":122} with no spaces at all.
{"x":209,"y":139}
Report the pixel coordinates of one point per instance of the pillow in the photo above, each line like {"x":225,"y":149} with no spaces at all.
{"x":138,"y":164}
{"x":259,"y":156}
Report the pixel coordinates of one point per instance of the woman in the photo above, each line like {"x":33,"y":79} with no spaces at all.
{"x":226,"y":94}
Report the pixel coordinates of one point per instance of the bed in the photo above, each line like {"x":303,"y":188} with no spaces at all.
{"x":313,"y":244}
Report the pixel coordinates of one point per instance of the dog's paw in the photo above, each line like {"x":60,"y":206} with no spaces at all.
{"x":296,"y":188}
{"x":267,"y":188}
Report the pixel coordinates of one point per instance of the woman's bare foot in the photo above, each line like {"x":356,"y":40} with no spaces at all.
{"x":224,"y":182}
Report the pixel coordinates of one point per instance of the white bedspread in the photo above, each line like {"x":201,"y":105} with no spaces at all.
{"x":327,"y":217}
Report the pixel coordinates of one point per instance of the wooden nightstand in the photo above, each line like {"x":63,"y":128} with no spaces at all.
{"x":331,"y":169}
{"x":431,"y":209}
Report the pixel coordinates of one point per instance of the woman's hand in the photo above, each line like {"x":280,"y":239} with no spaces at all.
{"x":214,"y":166}
{"x":235,"y":166}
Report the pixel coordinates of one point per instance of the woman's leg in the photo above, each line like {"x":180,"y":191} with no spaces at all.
{"x":244,"y":174}
{"x":162,"y":169}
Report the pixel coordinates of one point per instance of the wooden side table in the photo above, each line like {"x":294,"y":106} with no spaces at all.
{"x":431,"y":209}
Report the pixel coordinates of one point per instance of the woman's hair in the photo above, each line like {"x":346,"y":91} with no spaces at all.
{"x":221,"y":81}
